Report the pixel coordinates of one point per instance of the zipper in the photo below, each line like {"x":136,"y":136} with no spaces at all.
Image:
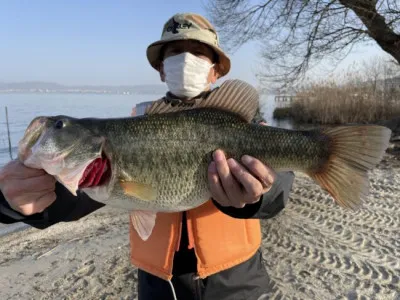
{"x":197,"y":287}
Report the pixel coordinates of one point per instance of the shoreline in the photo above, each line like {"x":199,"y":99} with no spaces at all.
{"x":12,"y":228}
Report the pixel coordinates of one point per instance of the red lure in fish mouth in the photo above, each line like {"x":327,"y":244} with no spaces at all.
{"x":96,"y":173}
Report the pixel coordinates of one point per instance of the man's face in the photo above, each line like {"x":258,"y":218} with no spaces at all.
{"x":196,"y":48}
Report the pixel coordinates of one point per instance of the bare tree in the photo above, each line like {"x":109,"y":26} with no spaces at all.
{"x":373,"y":73}
{"x":298,"y":34}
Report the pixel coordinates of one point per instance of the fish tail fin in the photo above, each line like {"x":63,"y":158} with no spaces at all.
{"x":354,"y":151}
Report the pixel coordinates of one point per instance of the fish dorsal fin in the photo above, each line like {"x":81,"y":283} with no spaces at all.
{"x":235,"y":96}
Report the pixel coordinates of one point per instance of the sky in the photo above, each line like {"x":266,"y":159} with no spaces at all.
{"x":101,"y":42}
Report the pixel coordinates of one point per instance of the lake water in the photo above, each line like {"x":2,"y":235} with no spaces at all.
{"x":22,"y":108}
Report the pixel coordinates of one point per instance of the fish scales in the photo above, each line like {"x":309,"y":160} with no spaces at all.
{"x":172,"y":152}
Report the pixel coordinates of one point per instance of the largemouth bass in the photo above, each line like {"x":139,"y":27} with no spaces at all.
{"x":158,"y":162}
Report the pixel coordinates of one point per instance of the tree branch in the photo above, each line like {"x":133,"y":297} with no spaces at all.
{"x":296,"y":35}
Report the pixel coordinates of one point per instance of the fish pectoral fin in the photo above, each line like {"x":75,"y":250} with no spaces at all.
{"x":143,"y":221}
{"x":139,"y":190}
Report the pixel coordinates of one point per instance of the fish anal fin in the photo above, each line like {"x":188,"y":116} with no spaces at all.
{"x":142,"y":191}
{"x":143,"y":221}
{"x":235,"y":96}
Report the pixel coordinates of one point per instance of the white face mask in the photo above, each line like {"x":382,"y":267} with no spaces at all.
{"x":186,"y":75}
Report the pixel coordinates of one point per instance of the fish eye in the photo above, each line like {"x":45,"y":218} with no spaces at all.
{"x":59,"y":124}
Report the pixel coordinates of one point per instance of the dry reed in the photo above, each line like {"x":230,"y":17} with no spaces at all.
{"x":362,"y":95}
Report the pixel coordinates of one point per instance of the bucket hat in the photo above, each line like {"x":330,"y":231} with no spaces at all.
{"x":189,"y":26}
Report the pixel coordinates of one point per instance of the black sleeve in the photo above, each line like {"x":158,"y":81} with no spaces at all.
{"x":270,"y":204}
{"x":65,"y":208}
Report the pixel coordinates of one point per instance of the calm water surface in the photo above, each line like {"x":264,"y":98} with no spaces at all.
{"x":22,"y":108}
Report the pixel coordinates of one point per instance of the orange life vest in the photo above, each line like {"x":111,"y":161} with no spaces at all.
{"x":219,"y":241}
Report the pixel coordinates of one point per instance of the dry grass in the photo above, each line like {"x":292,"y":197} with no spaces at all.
{"x":357,"y":97}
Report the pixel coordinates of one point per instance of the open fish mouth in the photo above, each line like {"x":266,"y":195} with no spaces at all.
{"x":97,"y":173}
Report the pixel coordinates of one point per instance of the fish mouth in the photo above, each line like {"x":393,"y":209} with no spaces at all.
{"x":97,"y":173}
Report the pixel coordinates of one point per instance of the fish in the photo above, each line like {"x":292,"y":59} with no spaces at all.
{"x":158,"y":162}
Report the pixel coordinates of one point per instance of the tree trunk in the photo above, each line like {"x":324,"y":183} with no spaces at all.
{"x":386,"y":38}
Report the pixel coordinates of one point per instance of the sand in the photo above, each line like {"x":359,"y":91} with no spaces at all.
{"x":312,"y":250}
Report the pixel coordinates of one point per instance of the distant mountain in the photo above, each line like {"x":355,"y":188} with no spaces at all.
{"x":51,"y":87}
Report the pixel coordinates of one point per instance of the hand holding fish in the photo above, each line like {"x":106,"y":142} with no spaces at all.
{"x":28,"y":191}
{"x":234,"y":184}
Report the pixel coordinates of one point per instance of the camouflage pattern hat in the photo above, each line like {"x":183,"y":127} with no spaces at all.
{"x":189,"y":26}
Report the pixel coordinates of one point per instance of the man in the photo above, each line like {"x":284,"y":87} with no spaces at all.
{"x":210,"y":252}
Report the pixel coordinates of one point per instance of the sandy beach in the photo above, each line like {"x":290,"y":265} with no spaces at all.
{"x":312,"y":250}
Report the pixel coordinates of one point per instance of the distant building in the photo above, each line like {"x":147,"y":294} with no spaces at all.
{"x":285,"y":100}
